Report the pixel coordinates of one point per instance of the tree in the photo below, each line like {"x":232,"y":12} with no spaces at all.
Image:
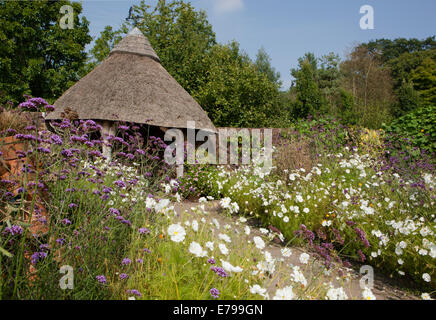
{"x":371,"y":85}
{"x":309,"y":97}
{"x":180,"y":35}
{"x":263,"y":64}
{"x":37,"y":57}
{"x":329,"y":77}
{"x":424,"y":80}
{"x":403,"y":66}
{"x":392,"y":49}
{"x":408,"y":99}
{"x":234,"y":93}
{"x":103,"y":46}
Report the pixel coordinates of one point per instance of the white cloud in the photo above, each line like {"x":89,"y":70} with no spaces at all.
{"x":225,"y":6}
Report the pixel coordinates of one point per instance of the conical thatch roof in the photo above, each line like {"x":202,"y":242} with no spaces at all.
{"x":131,"y":85}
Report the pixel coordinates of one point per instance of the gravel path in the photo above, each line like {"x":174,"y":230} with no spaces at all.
{"x":348,"y":278}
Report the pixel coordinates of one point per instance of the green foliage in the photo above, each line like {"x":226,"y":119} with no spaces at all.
{"x":329,"y":74}
{"x":424,"y":80}
{"x":309,"y":98}
{"x":263,"y":64}
{"x":233,"y":92}
{"x":392,"y":49}
{"x":346,"y":107}
{"x":327,"y":134}
{"x":103,"y":46}
{"x":37,"y":57}
{"x":180,"y":35}
{"x":418,"y":126}
{"x":403,"y":66}
{"x":408,"y":99}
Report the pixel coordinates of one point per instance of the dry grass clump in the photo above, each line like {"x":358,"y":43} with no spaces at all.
{"x":291,"y":155}
{"x":10,"y":119}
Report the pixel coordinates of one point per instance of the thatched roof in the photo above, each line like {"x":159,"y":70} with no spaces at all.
{"x":131,"y":85}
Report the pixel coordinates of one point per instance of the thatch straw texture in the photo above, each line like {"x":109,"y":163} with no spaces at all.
{"x":131,"y":85}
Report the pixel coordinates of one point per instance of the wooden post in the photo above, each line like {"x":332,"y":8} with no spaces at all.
{"x":108,"y":129}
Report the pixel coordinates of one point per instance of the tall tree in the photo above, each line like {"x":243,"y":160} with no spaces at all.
{"x":235,"y":93}
{"x":329,"y":76}
{"x":424,"y":80}
{"x":263,"y":64}
{"x":37,"y":56}
{"x":408,"y":99}
{"x":371,"y":85}
{"x":309,"y":97}
{"x":103,"y":46}
{"x":181,"y":36}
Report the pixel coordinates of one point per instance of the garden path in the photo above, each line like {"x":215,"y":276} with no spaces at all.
{"x":348,"y":278}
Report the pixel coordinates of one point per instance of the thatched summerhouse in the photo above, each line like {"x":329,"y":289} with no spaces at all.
{"x":131,"y":85}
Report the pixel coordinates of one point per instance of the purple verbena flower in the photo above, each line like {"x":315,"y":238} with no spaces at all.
{"x":101,"y":279}
{"x":214,"y":293}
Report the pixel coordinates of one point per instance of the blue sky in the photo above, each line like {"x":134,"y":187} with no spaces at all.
{"x":289,"y":28}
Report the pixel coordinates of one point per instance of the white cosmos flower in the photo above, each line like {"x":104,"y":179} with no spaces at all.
{"x":284,"y":294}
{"x":257,"y":289}
{"x":216,"y":223}
{"x":298,"y":276}
{"x":224,"y":237}
{"x":368,"y":295}
{"x":194,"y":225}
{"x":304,"y":258}
{"x":223,"y":249}
{"x":264,"y":231}
{"x":196,"y":249}
{"x":423,"y":252}
{"x":247,"y":230}
{"x":426,"y":277}
{"x":227,"y":266}
{"x":167,"y":188}
{"x":225,"y":203}
{"x":202,"y":200}
{"x":176,"y":232}
{"x":306,"y":210}
{"x":150,"y":203}
{"x":425,"y":231}
{"x":398,"y":251}
{"x":286,"y":252}
{"x":163,"y":204}
{"x":426,"y":296}
{"x":178,"y":197}
{"x":260,"y":244}
{"x":336,"y":294}
{"x":209,"y":245}
{"x":326,"y":223}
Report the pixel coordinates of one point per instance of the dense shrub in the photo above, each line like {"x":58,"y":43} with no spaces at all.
{"x":417,"y":126}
